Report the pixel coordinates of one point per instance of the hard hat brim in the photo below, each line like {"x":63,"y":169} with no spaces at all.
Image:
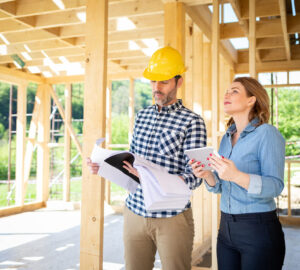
{"x":160,"y":77}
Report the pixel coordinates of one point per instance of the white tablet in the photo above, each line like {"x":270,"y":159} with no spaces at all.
{"x":202,"y":154}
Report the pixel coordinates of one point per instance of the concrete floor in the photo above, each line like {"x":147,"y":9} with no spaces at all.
{"x":49,"y":240}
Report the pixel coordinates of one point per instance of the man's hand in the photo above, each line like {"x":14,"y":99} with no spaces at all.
{"x":94,"y":167}
{"x":130,"y":169}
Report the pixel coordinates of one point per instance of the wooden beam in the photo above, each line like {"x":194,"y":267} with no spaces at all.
{"x":271,"y":28}
{"x":252,"y":39}
{"x":43,"y":138}
{"x":67,"y":143}
{"x":21,"y":143}
{"x":215,"y":118}
{"x":269,"y":43}
{"x":293,"y":24}
{"x":175,"y":32}
{"x":13,"y":210}
{"x":18,"y":77}
{"x":265,"y":8}
{"x":108,"y":135}
{"x":31,"y":139}
{"x":92,"y":200}
{"x":202,"y":18}
{"x":276,"y":54}
{"x":189,"y":59}
{"x":271,"y":66}
{"x":67,"y":124}
{"x":284,"y":29}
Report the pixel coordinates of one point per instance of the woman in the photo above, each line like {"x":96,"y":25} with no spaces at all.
{"x":249,"y":175}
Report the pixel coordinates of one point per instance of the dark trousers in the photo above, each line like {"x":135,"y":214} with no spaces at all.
{"x":250,"y":242}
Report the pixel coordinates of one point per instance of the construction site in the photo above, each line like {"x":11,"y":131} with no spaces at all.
{"x":71,"y":72}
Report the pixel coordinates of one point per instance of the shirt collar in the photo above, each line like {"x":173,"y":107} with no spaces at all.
{"x":249,"y":128}
{"x":170,"y":108}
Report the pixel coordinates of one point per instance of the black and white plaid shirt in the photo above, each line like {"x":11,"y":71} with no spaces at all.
{"x":161,"y":137}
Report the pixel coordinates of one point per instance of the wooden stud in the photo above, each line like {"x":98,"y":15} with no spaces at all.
{"x":283,"y":16}
{"x":92,"y":200}
{"x":289,"y":189}
{"x":189,"y":60}
{"x":197,"y":90}
{"x":108,"y":135}
{"x":252,"y":39}
{"x":175,"y":32}
{"x":20,"y":144}
{"x":67,"y":143}
{"x":215,"y":118}
{"x":31,"y":139}
{"x":131,"y":109}
{"x":68,"y":125}
{"x":43,"y":138}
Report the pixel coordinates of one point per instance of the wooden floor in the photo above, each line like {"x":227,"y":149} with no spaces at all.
{"x":49,"y":240}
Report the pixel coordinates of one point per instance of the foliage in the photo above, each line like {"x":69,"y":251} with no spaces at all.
{"x":289,"y":117}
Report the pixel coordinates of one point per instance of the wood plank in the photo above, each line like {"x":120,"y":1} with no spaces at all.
{"x":284,"y":29}
{"x":43,"y":138}
{"x":215,"y":119}
{"x":37,"y":7}
{"x":31,"y":139}
{"x":252,"y":39}
{"x":175,"y":33}
{"x":202,"y":18}
{"x":92,"y":207}
{"x":293,"y":24}
{"x":189,"y":59}
{"x":270,"y":28}
{"x":265,"y":8}
{"x":21,"y":143}
{"x":271,"y":66}
{"x":67,"y":124}
{"x":269,"y":43}
{"x":276,"y":54}
{"x":13,"y":210}
{"x":67,"y":143}
{"x":17,"y":77}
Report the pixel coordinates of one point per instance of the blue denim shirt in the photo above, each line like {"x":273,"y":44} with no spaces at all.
{"x":259,"y":152}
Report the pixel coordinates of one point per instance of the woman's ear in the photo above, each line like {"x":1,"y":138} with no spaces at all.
{"x":251,"y":101}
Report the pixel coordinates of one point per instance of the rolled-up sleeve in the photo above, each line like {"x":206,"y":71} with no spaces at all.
{"x":271,"y":154}
{"x":195,"y":138}
{"x":217,"y":188}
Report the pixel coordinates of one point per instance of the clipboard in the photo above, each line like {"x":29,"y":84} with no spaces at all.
{"x":202,"y":154}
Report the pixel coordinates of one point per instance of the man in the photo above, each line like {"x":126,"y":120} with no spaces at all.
{"x":161,"y":134}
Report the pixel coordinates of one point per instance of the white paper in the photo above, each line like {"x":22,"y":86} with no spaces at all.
{"x":161,"y":190}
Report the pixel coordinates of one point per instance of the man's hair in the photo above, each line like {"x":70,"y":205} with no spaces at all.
{"x":177,"y":77}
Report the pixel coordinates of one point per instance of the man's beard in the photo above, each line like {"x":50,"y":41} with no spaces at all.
{"x":166,"y":99}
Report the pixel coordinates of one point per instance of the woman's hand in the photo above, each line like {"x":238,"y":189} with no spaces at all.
{"x":130,"y":169}
{"x":227,"y":171}
{"x":198,"y":171}
{"x":94,"y":167}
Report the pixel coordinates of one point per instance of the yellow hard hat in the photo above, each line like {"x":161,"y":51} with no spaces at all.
{"x":164,"y":64}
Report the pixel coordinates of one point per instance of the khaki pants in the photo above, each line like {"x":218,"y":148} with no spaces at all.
{"x":172,"y":237}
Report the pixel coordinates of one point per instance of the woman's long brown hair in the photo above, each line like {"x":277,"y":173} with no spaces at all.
{"x":261,"y":108}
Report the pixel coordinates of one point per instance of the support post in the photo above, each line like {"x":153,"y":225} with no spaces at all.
{"x":67,"y":144}
{"x":108,"y":136}
{"x":21,"y":142}
{"x":92,"y":201}
{"x":215,"y":117}
{"x":175,"y":32}
{"x":252,"y":39}
{"x":43,"y":138}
